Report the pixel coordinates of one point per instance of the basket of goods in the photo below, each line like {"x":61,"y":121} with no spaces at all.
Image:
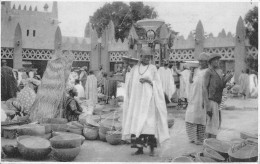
{"x":170,"y":122}
{"x":245,"y":135}
{"x":54,"y":120}
{"x":200,"y":158}
{"x":183,"y":159}
{"x":90,"y":132}
{"x":65,"y":141}
{"x":114,"y":137}
{"x":246,"y":151}
{"x":69,"y":134}
{"x":33,"y":147}
{"x":64,"y":154}
{"x":107,"y":125}
{"x":72,"y":128}
{"x":213,"y":154}
{"x":10,"y":132}
{"x":220,"y":147}
{"x":10,"y":150}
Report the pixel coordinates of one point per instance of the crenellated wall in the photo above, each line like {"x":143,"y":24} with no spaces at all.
{"x":106,"y":51}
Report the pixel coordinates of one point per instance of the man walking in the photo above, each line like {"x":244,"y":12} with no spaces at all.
{"x":214,"y":83}
{"x":144,"y":111}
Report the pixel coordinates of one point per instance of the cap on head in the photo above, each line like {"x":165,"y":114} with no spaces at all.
{"x":146,"y":51}
{"x":213,"y":56}
{"x":203,"y":57}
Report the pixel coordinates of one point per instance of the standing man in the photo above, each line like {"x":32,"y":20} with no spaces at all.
{"x":144,"y":111}
{"x":167,"y":80}
{"x":100,"y":75}
{"x":214,"y":83}
{"x":184,"y":82}
{"x":83,"y":75}
{"x":196,"y":113}
{"x":8,"y":82}
{"x":91,"y":88}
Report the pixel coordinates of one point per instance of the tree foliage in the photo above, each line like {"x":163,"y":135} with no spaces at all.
{"x":251,"y":20}
{"x":123,"y":16}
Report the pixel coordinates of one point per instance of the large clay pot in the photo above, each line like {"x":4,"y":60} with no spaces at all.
{"x":65,"y":155}
{"x":65,"y":141}
{"x":69,"y":134}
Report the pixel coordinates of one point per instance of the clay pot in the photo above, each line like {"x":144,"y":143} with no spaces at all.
{"x":90,"y":133}
{"x":10,"y":150}
{"x":33,"y":148}
{"x":65,"y":155}
{"x":69,"y":134}
{"x":113,"y":137}
{"x":65,"y":141}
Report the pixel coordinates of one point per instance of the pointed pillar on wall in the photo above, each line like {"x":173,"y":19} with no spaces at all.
{"x":17,"y":58}
{"x":240,"y":49}
{"x":55,"y":10}
{"x":163,"y":49}
{"x":58,"y":39}
{"x":94,"y":60}
{"x":199,"y":40}
{"x":132,"y":37}
{"x":104,"y":51}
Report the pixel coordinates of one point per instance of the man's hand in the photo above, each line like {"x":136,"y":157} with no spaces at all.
{"x":209,"y":113}
{"x":144,"y":80}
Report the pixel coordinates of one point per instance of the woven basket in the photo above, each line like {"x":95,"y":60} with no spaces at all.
{"x":76,"y":131}
{"x":69,"y":134}
{"x":90,"y":133}
{"x":213,"y":155}
{"x":32,"y":130}
{"x":113,"y":137}
{"x":220,"y":147}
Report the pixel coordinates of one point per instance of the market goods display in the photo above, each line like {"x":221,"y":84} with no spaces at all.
{"x":65,"y":155}
{"x":10,"y":150}
{"x":10,"y":132}
{"x":33,"y":148}
{"x":113,"y":137}
{"x":220,"y":147}
{"x":65,"y":141}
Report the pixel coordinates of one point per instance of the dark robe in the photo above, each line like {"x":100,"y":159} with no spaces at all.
{"x":8,"y":83}
{"x":71,"y":106}
{"x":110,"y":88}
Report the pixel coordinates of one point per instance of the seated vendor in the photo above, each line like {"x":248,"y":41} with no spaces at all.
{"x":72,"y":107}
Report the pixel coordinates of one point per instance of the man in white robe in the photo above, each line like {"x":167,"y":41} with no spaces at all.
{"x":80,"y":89}
{"x":144,"y":111}
{"x":184,"y":82}
{"x":167,"y":80}
{"x":91,"y":88}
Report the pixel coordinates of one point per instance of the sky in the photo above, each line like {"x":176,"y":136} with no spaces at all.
{"x":183,"y":16}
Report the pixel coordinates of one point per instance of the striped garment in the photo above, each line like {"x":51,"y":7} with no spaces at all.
{"x":195,"y":132}
{"x":224,"y":99}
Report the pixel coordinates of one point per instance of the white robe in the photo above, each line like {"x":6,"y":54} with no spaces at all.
{"x":91,"y":89}
{"x":144,"y":110}
{"x":184,"y":84}
{"x":195,"y":112}
{"x":253,"y":88}
{"x":167,"y":80}
{"x":80,"y":90}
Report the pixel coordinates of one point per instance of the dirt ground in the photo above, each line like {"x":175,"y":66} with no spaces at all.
{"x":242,"y":115}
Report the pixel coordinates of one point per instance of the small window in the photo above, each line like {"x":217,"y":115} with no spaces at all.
{"x":27,"y":32}
{"x":34,"y":33}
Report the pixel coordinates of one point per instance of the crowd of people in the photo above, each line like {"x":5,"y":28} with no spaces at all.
{"x":148,"y":89}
